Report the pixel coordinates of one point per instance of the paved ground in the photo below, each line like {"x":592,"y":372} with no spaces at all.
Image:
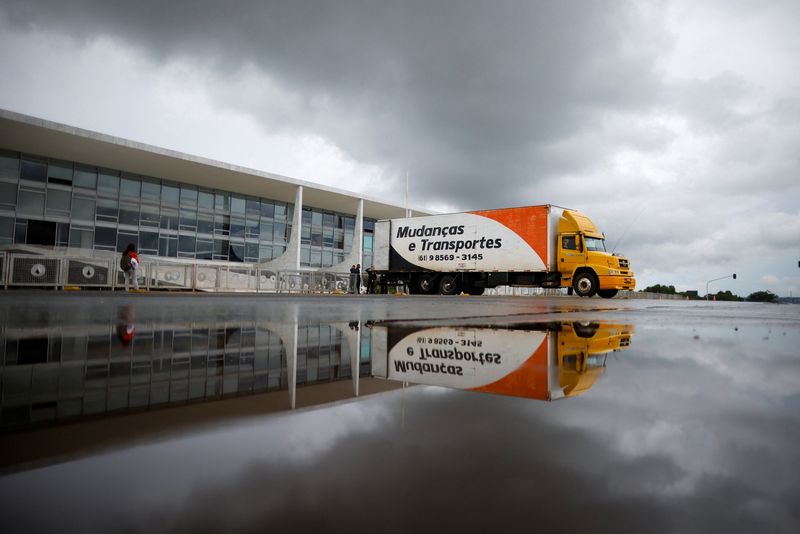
{"x":30,"y":309}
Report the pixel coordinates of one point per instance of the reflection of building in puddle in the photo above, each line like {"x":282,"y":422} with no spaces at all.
{"x":66,"y":372}
{"x":62,"y":372}
{"x":544,"y":361}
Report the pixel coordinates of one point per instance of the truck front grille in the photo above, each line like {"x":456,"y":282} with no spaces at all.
{"x":623,"y":264}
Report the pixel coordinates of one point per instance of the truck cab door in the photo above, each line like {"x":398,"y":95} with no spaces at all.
{"x":570,"y":255}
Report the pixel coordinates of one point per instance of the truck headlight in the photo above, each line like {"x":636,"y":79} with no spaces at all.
{"x":612,"y":272}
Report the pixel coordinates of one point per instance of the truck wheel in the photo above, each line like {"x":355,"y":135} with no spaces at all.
{"x":448,"y":285}
{"x":426,"y":283}
{"x":607,"y":293}
{"x":585,"y":329}
{"x":585,"y":284}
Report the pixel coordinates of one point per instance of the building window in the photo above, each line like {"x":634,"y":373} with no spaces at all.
{"x":84,"y":177}
{"x":129,"y":214}
{"x":58,"y":202}
{"x":9,"y":165}
{"x":81,"y":237}
{"x":170,"y":194}
{"x":105,"y":238}
{"x":151,"y":191}
{"x":6,"y":230}
{"x":31,"y":203}
{"x":8,"y":196}
{"x":188,"y":196}
{"x":130,"y":187}
{"x":59,"y":173}
{"x":35,"y":171}
{"x":237,"y":205}
{"x":107,"y":210}
{"x":108,"y":184}
{"x":205,"y":200}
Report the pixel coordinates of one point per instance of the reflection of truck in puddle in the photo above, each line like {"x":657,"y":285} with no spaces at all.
{"x":544,"y":361}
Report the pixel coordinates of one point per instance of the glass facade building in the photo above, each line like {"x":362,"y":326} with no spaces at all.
{"x":70,"y":204}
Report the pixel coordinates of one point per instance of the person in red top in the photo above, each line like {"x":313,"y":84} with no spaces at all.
{"x":129,"y":263}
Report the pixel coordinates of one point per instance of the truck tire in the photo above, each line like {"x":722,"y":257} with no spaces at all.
{"x":607,"y":293}
{"x":426,"y":283}
{"x":585,"y":329}
{"x":448,"y":285}
{"x":585,"y":284}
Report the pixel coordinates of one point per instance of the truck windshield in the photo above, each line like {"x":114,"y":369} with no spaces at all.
{"x":594,"y":243}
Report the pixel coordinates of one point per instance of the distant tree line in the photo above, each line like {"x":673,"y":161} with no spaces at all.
{"x":758,"y":296}
{"x":658,"y":288}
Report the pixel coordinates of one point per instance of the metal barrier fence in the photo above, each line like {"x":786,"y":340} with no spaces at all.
{"x":33,"y":270}
{"x":312,"y":282}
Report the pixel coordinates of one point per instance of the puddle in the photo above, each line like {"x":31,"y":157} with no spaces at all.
{"x":174,"y":420}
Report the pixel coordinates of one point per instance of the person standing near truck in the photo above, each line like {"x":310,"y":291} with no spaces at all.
{"x":129,"y":262}
{"x":371,"y":277}
{"x":353,"y":279}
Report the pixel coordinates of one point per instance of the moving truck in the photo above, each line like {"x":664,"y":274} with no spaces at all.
{"x":534,"y":246}
{"x":544,"y":361}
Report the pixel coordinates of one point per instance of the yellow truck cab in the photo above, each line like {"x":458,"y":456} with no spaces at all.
{"x":585,"y":266}
{"x":582,"y":351}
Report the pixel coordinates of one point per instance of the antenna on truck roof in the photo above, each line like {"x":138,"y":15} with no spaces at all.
{"x":624,"y":232}
{"x":408,"y":211}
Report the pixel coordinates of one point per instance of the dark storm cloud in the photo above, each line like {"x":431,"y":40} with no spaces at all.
{"x":461,"y":94}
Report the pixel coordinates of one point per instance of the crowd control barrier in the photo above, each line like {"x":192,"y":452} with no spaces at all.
{"x":66,"y":271}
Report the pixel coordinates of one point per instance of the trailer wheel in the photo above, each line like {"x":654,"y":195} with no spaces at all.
{"x":585,"y":284}
{"x":448,"y":285}
{"x":426,"y":283}
{"x":607,"y":293}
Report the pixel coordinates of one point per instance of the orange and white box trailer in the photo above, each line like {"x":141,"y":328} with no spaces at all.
{"x":535,"y":246}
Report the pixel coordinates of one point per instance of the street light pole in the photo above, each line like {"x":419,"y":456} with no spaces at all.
{"x":720,"y":278}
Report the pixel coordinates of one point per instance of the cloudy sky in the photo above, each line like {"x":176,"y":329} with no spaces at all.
{"x":675,"y":125}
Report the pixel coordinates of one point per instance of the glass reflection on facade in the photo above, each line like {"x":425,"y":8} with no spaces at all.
{"x":60,"y":203}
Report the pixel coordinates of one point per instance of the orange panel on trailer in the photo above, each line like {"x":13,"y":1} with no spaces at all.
{"x":529,"y":380}
{"x":530,"y":223}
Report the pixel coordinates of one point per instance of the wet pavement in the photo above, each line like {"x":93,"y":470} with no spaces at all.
{"x":362,"y":414}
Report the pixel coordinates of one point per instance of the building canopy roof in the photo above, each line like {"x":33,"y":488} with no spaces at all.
{"x":31,"y":135}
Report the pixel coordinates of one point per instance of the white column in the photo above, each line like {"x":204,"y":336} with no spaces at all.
{"x":356,"y":251}
{"x":290,"y":259}
{"x":291,"y":357}
{"x":287,"y":331}
{"x":359,"y":233}
{"x":353,"y":340}
{"x":355,"y":361}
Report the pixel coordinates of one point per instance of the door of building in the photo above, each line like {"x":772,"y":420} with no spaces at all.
{"x":41,"y":233}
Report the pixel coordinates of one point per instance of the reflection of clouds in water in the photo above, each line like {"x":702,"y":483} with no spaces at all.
{"x":757,"y":357}
{"x":467,"y":461}
{"x":308,"y":435}
{"x":713,"y":407}
{"x":164,"y":473}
